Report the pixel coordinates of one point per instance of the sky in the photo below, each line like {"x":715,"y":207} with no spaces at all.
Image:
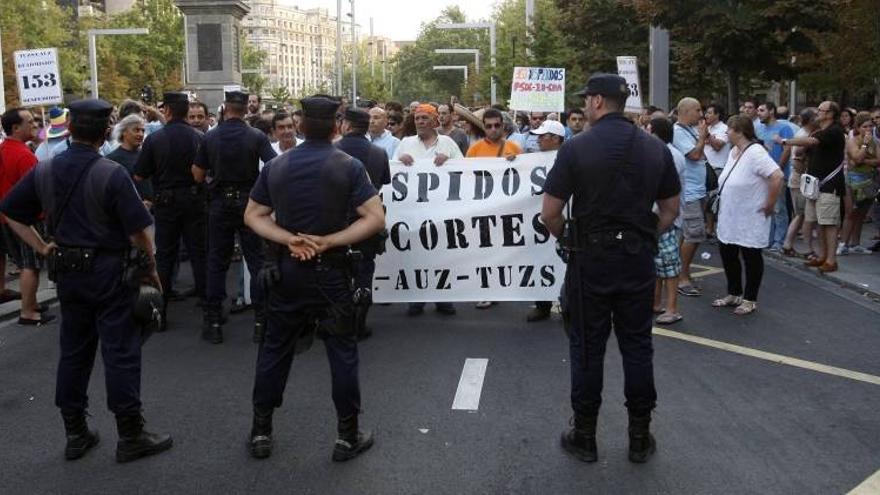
{"x":399,"y":20}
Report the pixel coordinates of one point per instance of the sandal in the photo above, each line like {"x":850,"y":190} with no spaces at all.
{"x":790,"y":252}
{"x":747,"y":307}
{"x":659,"y":311}
{"x":689,"y":290}
{"x":727,"y":301}
{"x":668,"y":318}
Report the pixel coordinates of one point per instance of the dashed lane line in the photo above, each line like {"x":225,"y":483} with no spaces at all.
{"x":769,"y":356}
{"x":470,"y":385}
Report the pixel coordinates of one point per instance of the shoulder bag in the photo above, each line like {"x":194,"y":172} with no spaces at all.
{"x":711,"y":176}
{"x":715,"y":202}
{"x":810,"y":184}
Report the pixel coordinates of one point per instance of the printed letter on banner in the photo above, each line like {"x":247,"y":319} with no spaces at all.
{"x":538,"y":89}
{"x":628,"y":68}
{"x":39,"y":80}
{"x":468,"y":231}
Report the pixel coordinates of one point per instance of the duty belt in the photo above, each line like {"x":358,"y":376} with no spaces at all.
{"x":66,"y":259}
{"x":232,"y":192}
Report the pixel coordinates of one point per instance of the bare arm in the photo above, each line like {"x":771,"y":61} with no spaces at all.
{"x":31,"y":237}
{"x":198,"y":174}
{"x":551,"y":214}
{"x":786,"y":154}
{"x":775,"y":187}
{"x":668,"y":212}
{"x":371,"y":221}
{"x":259,"y":218}
{"x":806,"y":142}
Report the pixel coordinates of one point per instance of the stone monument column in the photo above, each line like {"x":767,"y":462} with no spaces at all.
{"x":212,"y":30}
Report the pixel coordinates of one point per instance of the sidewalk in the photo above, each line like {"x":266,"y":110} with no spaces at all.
{"x":856,"y":272}
{"x":45,"y":294}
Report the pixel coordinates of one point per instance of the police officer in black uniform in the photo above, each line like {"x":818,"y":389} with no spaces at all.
{"x":615,"y":173}
{"x":355,"y":124}
{"x":232,"y":153}
{"x":94,"y":214}
{"x":312,"y":190}
{"x":167,"y":156}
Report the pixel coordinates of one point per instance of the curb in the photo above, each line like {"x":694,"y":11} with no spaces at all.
{"x":871,"y":293}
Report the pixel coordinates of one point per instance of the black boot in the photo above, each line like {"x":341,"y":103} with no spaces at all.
{"x":212,"y":327}
{"x":259,"y":326}
{"x":261,"y":434}
{"x":135,"y":442}
{"x":79,"y":438}
{"x":641,"y":442}
{"x":351,"y":442}
{"x":362,"y":331}
{"x":580,"y":441}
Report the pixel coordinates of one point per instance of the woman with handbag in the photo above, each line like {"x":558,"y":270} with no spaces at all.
{"x":747,"y":193}
{"x":861,"y":151}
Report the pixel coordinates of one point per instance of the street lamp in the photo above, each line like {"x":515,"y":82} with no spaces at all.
{"x":479,"y":25}
{"x":93,"y":52}
{"x":454,"y":67}
{"x":472,"y":51}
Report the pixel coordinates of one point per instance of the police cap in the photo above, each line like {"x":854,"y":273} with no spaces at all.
{"x":239,"y":97}
{"x":175,"y":97}
{"x":319,"y":107}
{"x":357,"y":116}
{"x":610,"y":85}
{"x":90,"y":107}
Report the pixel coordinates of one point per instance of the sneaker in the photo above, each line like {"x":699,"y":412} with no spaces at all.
{"x":859,"y":250}
{"x":484,"y":304}
{"x":842,"y":249}
{"x":775,"y":249}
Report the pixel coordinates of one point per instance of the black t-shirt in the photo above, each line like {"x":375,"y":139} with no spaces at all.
{"x":826,"y":157}
{"x":128,"y":159}
{"x":232,"y":151}
{"x":373,"y":157}
{"x":168,"y":154}
{"x":616,"y":173}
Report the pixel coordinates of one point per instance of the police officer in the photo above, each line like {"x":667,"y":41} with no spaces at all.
{"x":94,"y":214}
{"x":311,"y":190}
{"x":616,"y":173}
{"x":167,"y":156}
{"x":355,"y":125}
{"x":232,"y":153}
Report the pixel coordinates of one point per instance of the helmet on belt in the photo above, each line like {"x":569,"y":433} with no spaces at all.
{"x":147,"y":312}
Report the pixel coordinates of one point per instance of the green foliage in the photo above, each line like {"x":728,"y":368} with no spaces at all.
{"x":280,"y":95}
{"x":252,"y":58}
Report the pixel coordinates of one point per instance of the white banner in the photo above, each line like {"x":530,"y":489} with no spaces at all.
{"x":468,"y":231}
{"x":39,"y":80}
{"x":628,"y":68}
{"x":538,"y":89}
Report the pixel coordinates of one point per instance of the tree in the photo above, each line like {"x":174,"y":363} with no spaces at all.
{"x":740,"y":38}
{"x":252,"y":58}
{"x":280,"y":95}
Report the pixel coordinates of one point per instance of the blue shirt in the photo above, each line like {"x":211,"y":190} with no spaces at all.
{"x":310,"y":193}
{"x":232,"y":151}
{"x":120,"y":205}
{"x":694,"y":186}
{"x":387,"y":142}
{"x":766,"y":133}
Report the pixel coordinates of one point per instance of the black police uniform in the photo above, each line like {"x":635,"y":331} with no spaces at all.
{"x":311,"y":189}
{"x":375,"y":160}
{"x":92,"y":208}
{"x":179,"y":202}
{"x":231,"y":153}
{"x":615,"y":172}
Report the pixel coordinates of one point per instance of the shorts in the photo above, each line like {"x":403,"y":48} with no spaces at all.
{"x":798,"y":201}
{"x":667,"y":261}
{"x":693,"y":221}
{"x":18,"y":251}
{"x":824,"y":211}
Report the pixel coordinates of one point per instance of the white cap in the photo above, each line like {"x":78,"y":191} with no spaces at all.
{"x":552,"y":127}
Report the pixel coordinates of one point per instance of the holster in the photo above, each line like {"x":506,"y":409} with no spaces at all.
{"x":138,"y":266}
{"x":70,"y":260}
{"x":270,"y":273}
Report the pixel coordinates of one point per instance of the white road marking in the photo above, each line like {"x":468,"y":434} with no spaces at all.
{"x":707,"y":270}
{"x":870,"y":486}
{"x":769,"y":356}
{"x":470,"y":386}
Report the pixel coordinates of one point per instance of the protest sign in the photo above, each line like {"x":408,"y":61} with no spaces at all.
{"x":538,"y":89}
{"x":628,"y":68}
{"x":468,"y":231}
{"x":39,"y":80}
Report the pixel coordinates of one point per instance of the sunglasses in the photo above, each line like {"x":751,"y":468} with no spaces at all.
{"x":492,"y":126}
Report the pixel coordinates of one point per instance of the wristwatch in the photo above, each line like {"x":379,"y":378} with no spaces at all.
{"x":784,"y":142}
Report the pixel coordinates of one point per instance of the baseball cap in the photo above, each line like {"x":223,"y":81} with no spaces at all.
{"x":550,"y":127}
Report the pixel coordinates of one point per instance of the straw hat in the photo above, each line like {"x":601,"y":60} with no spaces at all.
{"x":57,"y":123}
{"x":475,"y":118}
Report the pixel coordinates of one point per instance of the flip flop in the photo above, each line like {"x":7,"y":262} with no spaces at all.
{"x":668,"y":318}
{"x":44,"y":319}
{"x":689,"y":291}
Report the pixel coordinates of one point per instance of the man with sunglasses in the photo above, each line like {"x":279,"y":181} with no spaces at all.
{"x":494,"y":144}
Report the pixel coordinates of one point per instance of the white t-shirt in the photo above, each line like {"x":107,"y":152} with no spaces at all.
{"x":679,"y":160}
{"x":718,"y":158}
{"x":739,"y":221}
{"x":414,"y":147}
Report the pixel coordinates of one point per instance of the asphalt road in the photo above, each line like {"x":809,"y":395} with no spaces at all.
{"x":726,"y":422}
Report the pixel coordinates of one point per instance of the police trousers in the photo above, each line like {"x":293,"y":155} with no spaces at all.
{"x":304,"y":304}
{"x":180,"y":213}
{"x":616,"y":291}
{"x":96,"y":307}
{"x":225,"y":218}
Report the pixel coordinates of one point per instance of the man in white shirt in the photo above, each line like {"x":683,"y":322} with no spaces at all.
{"x":427,"y":143}
{"x":379,"y":135}
{"x":717,"y":150}
{"x":284,"y":131}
